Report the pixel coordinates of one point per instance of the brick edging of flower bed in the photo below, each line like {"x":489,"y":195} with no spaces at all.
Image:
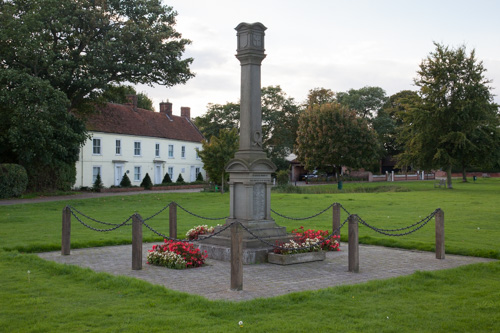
{"x":154,"y":188}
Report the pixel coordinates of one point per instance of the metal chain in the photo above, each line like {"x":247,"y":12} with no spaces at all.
{"x":381,"y":231}
{"x":100,"y":230}
{"x":160,"y":211}
{"x":201,"y":217}
{"x":301,"y":218}
{"x":92,"y":219}
{"x":428,"y":217}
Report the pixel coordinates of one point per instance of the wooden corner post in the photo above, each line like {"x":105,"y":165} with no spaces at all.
{"x":353,"y":244}
{"x":136,"y":242}
{"x":336,"y":219}
{"x":66,"y":232}
{"x":439,"y":217}
{"x":172,"y":220}
{"x":236,"y":257}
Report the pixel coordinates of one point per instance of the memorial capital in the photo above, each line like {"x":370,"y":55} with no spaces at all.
{"x":250,"y":47}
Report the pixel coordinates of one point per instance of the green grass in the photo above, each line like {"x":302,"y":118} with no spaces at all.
{"x":64,"y":298}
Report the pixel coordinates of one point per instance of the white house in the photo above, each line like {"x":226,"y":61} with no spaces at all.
{"x":127,"y":139}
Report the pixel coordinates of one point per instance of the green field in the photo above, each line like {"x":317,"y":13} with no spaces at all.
{"x":62,"y":298}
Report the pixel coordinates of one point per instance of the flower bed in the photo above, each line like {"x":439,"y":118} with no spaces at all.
{"x":308,"y":241}
{"x":176,"y":254}
{"x":199,"y":230}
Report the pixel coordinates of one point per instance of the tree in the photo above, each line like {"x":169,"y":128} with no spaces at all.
{"x":331,"y":136}
{"x":366,"y":101}
{"x":217,"y":152}
{"x":279,"y":122}
{"x":98,"y":185}
{"x":80,"y":47}
{"x":118,"y":94}
{"x":146,"y":182}
{"x":456,"y":122}
{"x":180,"y":179}
{"x":37,"y":132}
{"x":125,"y":182}
{"x":319,"y":96}
{"x":166,"y":179}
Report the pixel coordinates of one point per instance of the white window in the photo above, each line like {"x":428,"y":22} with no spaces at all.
{"x":95,"y":171}
{"x":137,"y":148}
{"x":183,"y":151}
{"x":197,"y":154}
{"x":96,"y":146}
{"x":157,"y":149}
{"x":171,"y":172}
{"x":197,"y":172}
{"x":137,"y":174}
{"x":118,"y":147}
{"x":170,"y":151}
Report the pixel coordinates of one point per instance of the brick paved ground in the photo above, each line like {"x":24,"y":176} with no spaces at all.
{"x":264,"y":280}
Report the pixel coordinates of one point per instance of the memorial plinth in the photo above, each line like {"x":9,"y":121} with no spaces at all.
{"x":250,"y":171}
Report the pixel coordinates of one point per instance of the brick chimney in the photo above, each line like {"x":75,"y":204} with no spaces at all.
{"x":166,"y":108}
{"x":186,"y":112}
{"x":132,"y":101}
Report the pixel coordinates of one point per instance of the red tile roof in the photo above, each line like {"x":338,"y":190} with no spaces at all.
{"x":122,"y":119}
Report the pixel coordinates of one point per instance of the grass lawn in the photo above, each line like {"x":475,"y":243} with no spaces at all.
{"x":59,"y":298}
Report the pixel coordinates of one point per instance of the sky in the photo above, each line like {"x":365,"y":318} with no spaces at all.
{"x":338,"y":45}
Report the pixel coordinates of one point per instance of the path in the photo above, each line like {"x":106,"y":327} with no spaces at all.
{"x":264,"y":280}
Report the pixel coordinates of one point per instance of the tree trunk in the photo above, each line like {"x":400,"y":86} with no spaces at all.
{"x":222,"y":184}
{"x":448,"y":177}
{"x":464,"y":175}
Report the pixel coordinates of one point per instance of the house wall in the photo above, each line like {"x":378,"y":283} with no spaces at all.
{"x":108,"y":160}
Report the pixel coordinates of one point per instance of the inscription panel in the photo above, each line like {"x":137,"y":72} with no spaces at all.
{"x":259,"y":201}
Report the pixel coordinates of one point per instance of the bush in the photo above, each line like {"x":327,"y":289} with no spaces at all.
{"x":98,"y":185}
{"x":146,"y":182}
{"x":166,"y":179}
{"x":125,"y":181}
{"x":199,"y":177}
{"x":282,"y":177}
{"x":180,"y":180}
{"x":13,"y":180}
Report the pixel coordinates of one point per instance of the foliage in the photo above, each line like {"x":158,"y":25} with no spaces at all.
{"x":193,"y":233}
{"x":180,"y":180}
{"x":125,"y":182}
{"x":217,"y":152}
{"x":175,"y":254}
{"x":366,"y":101}
{"x":280,"y":116}
{"x":319,"y":96}
{"x":37,"y":132}
{"x":118,"y":94}
{"x":456,"y":121}
{"x":166,"y":179}
{"x":331,"y":136}
{"x":283,"y":176}
{"x":98,"y":185}
{"x":80,"y":47}
{"x":146,"y":182}
{"x":308,"y":241}
{"x":13,"y":180}
{"x":199,"y":177}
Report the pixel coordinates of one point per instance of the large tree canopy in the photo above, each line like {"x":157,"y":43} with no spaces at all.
{"x":456,"y":122}
{"x":331,"y":136}
{"x":82,"y":46}
{"x":366,"y":101}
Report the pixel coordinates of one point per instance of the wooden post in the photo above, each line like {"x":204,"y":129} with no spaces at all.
{"x":336,"y":219}
{"x":236,"y":257}
{"x":66,"y":232}
{"x":353,"y":244}
{"x":136,"y":242}
{"x":439,"y":218}
{"x":172,"y":220}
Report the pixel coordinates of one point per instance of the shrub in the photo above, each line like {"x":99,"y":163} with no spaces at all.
{"x":166,"y":179}
{"x":98,"y":185}
{"x":13,"y":180}
{"x":199,"y":177}
{"x":146,"y":182}
{"x":282,"y":177}
{"x":125,"y":181}
{"x":180,"y":180}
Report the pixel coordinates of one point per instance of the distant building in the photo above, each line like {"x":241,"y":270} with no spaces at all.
{"x":127,"y":139}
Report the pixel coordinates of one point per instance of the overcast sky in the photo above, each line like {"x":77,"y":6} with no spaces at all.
{"x":332,"y":44}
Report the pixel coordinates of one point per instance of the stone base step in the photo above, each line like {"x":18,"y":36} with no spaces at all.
{"x":223,"y":253}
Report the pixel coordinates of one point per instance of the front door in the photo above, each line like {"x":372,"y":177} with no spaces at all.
{"x":118,"y":174}
{"x":193,"y":174}
{"x":158,"y":174}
